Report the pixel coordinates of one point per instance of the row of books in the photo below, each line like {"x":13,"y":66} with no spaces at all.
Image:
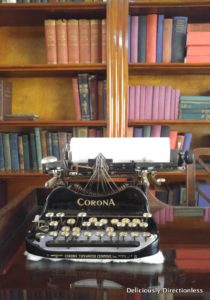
{"x":198,"y":45}
{"x":75,"y":41}
{"x":156,"y":39}
{"x":178,"y":140}
{"x":25,"y":151}
{"x":194,"y":108}
{"x":89,"y":95}
{"x":49,"y":1}
{"x":5,"y":98}
{"x":153,"y":103}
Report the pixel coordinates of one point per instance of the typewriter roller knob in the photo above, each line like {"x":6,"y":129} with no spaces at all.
{"x":70,"y":221}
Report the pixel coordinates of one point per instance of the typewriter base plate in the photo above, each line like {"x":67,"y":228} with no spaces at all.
{"x":157,"y":258}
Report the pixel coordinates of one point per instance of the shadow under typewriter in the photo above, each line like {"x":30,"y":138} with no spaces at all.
{"x":116,"y":227}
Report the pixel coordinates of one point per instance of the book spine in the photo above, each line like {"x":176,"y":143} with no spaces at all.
{"x":132,"y":91}
{"x":142,"y":32}
{"x":134,"y":39}
{"x":198,"y":50}
{"x":2,"y":168}
{"x":26,"y":156}
{"x":179,"y":34}
{"x":49,"y":143}
{"x":105,"y":99}
{"x":187,"y":141}
{"x":33,"y":151}
{"x":13,"y":138}
{"x":7,"y":157}
{"x":151,"y":38}
{"x":103,"y":41}
{"x":55,"y":145}
{"x":20,"y":152}
{"x":3,"y":195}
{"x":84,"y":96}
{"x":167,"y":40}
{"x":43,"y":143}
{"x":161,"y":102}
{"x":84,"y":41}
{"x":198,"y":27}
{"x":93,"y":92}
{"x":192,"y":105}
{"x":76,"y":98}
{"x":137,"y":102}
{"x":62,"y":141}
{"x":155,"y":130}
{"x":198,"y":38}
{"x":100,"y":100}
{"x":197,"y":59}
{"x":193,"y":116}
{"x":142,"y":102}
{"x":167,"y":106}
{"x":138,"y":132}
{"x":148,"y":104}
{"x":95,"y":41}
{"x":155,"y":103}
{"x":61,"y":39}
{"x":50,"y":41}
{"x":7,"y":97}
{"x":73,"y":40}
{"x":38,"y":147}
{"x":159,"y":54}
{"x":194,"y":98}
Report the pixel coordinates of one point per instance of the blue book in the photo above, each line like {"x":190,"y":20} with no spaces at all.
{"x":142,"y":31}
{"x":194,"y":115}
{"x":159,"y":53}
{"x":146,"y":130}
{"x":204,"y":189}
{"x":38,"y":147}
{"x":187,"y":141}
{"x":194,"y":105}
{"x":33,"y":151}
{"x":2,"y":168}
{"x":138,"y":132}
{"x":13,"y":139}
{"x":194,"y":98}
{"x":55,"y":145}
{"x":26,"y":156}
{"x":179,"y":34}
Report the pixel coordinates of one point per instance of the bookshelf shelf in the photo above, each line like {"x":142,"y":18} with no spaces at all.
{"x":48,"y":123}
{"x":42,"y":70}
{"x":169,"y":122}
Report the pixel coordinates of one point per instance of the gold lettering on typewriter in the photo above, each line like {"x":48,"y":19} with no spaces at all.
{"x":92,"y":202}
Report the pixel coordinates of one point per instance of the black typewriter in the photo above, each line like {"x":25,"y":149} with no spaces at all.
{"x":99,"y":219}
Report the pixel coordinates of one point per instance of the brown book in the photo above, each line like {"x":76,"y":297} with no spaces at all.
{"x":103,"y":41}
{"x":20,"y":152}
{"x":61,"y":39}
{"x":93,"y":92}
{"x":100,"y":100}
{"x":76,"y":98}
{"x":84,"y":41}
{"x":167,"y":40}
{"x":50,"y":41}
{"x":5,"y":98}
{"x":91,"y":132}
{"x":151,"y":38}
{"x":73,"y":40}
{"x":95,"y":41}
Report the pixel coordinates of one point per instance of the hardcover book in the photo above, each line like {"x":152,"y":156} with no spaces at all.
{"x":50,"y":41}
{"x":73,"y":40}
{"x":61,"y":40}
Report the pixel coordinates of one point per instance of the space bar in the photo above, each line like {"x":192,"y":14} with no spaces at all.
{"x":68,"y":244}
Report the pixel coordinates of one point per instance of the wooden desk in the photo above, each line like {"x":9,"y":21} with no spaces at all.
{"x":178,"y":277}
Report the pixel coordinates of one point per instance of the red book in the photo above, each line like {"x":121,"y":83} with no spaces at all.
{"x":137,"y":103}
{"x":99,"y":132}
{"x":91,"y":132}
{"x":198,"y":50}
{"x":167,"y":40}
{"x":167,"y":106}
{"x":134,"y":38}
{"x":151,"y":38}
{"x":103,"y":41}
{"x":161,"y":103}
{"x":61,"y":39}
{"x":198,"y":38}
{"x":156,"y":130}
{"x":142,"y":102}
{"x":76,"y":98}
{"x":197,"y":59}
{"x":198,"y":27}
{"x":50,"y":41}
{"x":84,"y":41}
{"x":155,"y":102}
{"x":148,"y":104}
{"x":132,"y":91}
{"x":73,"y":40}
{"x":179,"y":141}
{"x":173,"y":138}
{"x":95,"y":41}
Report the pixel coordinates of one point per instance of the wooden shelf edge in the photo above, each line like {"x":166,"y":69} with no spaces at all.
{"x":61,"y":123}
{"x":164,"y":3}
{"x":168,"y":122}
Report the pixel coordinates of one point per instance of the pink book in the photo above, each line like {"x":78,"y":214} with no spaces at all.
{"x":198,"y":50}
{"x":84,"y":41}
{"x":173,"y":139}
{"x":76,"y":99}
{"x":155,"y":102}
{"x":172,"y":107}
{"x":151,"y":38}
{"x":50,"y":41}
{"x":95,"y":41}
{"x":137,"y":102}
{"x":198,"y":38}
{"x":61,"y":37}
{"x":161,"y":103}
{"x":142,"y":102}
{"x":176,"y":109}
{"x":207,"y":214}
{"x":155,"y":130}
{"x":167,"y":107}
{"x":131,"y":103}
{"x":197,"y":59}
{"x":103,"y":40}
{"x":73,"y":40}
{"x":134,"y":39}
{"x":148,"y":104}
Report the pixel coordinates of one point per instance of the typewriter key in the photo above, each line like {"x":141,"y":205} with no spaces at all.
{"x":65,"y":228}
{"x":114,"y":221}
{"x":39,"y":236}
{"x":49,"y":215}
{"x":71,"y":221}
{"x":76,"y":229}
{"x":87,"y":234}
{"x":136,"y":221}
{"x":146,"y":234}
{"x":123,"y":234}
{"x":60,"y":215}
{"x":65,"y":234}
{"x":100,"y":234}
{"x":93,"y":220}
{"x":44,"y":228}
{"x":82,"y":214}
{"x":103,"y":221}
{"x":54,"y":234}
{"x":111,"y":234}
{"x":132,"y":225}
{"x":147,"y":215}
{"x":120,"y":224}
{"x":134,"y":234}
{"x":145,"y":224}
{"x":75,"y":234}
{"x":53,"y":224}
{"x":99,"y":224}
{"x":125,"y":220}
{"x":109,"y":229}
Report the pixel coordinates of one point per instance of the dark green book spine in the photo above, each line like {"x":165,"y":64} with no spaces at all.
{"x":13,"y":139}
{"x":26,"y":156}
{"x":142,"y":28}
{"x":179,"y":34}
{"x":84,"y":96}
{"x":2,"y":168}
{"x":38,"y":147}
{"x":33,"y":152}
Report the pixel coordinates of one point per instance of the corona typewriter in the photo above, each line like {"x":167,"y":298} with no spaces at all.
{"x":101,"y":219}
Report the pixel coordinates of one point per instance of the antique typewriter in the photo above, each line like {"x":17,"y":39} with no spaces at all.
{"x":101,"y":219}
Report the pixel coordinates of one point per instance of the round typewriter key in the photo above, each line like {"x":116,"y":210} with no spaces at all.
{"x":87,"y":234}
{"x":65,"y":234}
{"x":82,"y":214}
{"x":114,"y":221}
{"x":103,"y":221}
{"x":84,"y":224}
{"x":93,"y":220}
{"x":146,"y":234}
{"x":54,"y":234}
{"x":120,"y":224}
{"x":76,"y":229}
{"x":44,"y":228}
{"x":53,"y":224}
{"x":76,"y":234}
{"x":39,"y":236}
{"x":134,"y":234}
{"x":147,"y":215}
{"x":111,"y":234}
{"x":123,"y":234}
{"x":70,"y":221}
{"x":100,"y":234}
{"x":125,"y":220}
{"x":109,"y":229}
{"x":136,"y":221}
{"x":132,"y":225}
{"x":65,"y":228}
{"x":49,"y":215}
{"x":145,"y":224}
